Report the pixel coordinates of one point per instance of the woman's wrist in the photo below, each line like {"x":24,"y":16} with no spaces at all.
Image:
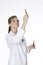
{"x":23,"y":26}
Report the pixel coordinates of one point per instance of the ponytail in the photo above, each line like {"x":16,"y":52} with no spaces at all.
{"x":9,"y":29}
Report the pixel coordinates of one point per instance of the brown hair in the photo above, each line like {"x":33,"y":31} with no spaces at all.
{"x":9,"y":21}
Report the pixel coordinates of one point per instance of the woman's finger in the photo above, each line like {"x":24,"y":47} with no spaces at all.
{"x":26,"y":13}
{"x":33,"y":45}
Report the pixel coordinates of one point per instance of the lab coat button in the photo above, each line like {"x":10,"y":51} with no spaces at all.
{"x":22,"y":40}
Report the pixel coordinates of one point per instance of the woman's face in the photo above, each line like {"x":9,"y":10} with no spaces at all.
{"x":14,"y":23}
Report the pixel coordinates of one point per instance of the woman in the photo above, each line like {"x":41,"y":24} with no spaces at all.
{"x":16,"y":41}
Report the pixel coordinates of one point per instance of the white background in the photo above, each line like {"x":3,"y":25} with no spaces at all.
{"x":34,"y":28}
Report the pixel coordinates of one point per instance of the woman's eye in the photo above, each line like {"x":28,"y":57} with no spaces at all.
{"x":14,"y":21}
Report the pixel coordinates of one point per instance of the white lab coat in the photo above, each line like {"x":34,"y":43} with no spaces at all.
{"x":17,"y":46}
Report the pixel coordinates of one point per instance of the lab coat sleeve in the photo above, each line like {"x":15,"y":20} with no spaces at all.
{"x":27,"y":50}
{"x":13,"y":40}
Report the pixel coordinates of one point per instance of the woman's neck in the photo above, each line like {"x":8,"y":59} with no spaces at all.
{"x":14,"y":30}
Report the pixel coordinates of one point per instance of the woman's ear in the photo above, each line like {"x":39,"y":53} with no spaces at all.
{"x":18,"y":24}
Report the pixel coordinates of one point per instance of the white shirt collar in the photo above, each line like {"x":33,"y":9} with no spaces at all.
{"x":12,"y":33}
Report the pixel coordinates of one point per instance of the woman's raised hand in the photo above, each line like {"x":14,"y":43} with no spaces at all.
{"x":25,"y":18}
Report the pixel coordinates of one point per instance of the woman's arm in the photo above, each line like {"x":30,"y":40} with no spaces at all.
{"x":25,"y":20}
